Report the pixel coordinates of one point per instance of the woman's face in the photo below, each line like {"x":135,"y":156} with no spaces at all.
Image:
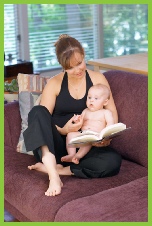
{"x":77,"y":66}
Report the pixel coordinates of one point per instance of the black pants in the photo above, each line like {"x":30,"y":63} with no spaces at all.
{"x":99,"y":162}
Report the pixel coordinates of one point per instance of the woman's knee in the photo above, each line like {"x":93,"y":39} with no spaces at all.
{"x":101,"y":165}
{"x":110,"y":160}
{"x":114,"y":164}
{"x":38,"y":111}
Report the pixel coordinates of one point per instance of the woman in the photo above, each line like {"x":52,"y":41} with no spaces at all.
{"x":63,"y":98}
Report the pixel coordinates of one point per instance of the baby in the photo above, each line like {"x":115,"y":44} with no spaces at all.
{"x":94,"y":118}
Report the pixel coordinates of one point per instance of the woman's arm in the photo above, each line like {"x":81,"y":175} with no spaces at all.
{"x":70,"y":126}
{"x":50,"y":92}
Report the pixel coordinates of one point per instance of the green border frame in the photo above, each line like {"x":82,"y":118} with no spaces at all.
{"x":149,"y":2}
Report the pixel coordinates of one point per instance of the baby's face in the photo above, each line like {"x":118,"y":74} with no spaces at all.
{"x":95,"y":99}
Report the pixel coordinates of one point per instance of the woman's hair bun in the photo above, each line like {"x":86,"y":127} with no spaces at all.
{"x":62,"y":36}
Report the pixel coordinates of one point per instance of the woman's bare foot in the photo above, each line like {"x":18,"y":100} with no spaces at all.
{"x":39,"y":167}
{"x":64,"y":170}
{"x":55,"y":186}
{"x":59,"y":167}
{"x":55,"y":182}
{"x":67,"y":158}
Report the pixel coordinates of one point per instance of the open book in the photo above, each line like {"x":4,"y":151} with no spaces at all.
{"x":90,"y":137}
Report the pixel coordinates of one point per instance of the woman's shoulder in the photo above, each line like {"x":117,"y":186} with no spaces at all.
{"x":97,"y":77}
{"x":54,"y":83}
{"x":55,"y":80}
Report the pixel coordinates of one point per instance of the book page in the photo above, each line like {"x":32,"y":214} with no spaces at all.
{"x":112,"y":129}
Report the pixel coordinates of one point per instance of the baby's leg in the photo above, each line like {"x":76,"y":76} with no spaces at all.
{"x":81,"y":153}
{"x":71,"y":150}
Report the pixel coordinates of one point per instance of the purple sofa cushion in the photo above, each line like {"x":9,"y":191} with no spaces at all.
{"x":126,"y":203}
{"x":130,"y":95}
{"x":26,"y":193}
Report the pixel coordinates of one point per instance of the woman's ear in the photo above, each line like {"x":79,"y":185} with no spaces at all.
{"x":105,"y":102}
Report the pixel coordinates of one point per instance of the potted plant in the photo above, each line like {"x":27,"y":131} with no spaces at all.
{"x":11,"y":90}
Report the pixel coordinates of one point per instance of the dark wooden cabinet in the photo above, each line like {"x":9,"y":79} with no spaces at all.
{"x":11,"y":70}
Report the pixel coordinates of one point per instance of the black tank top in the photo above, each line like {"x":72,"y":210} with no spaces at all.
{"x":66,"y":106}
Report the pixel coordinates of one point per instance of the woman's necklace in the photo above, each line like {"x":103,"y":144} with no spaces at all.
{"x":77,"y":89}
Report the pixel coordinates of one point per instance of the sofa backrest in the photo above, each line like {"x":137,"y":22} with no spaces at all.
{"x":12,"y":124}
{"x":130,"y":92}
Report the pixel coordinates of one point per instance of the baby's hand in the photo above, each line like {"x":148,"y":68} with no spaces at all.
{"x":73,"y":125}
{"x":76,"y":119}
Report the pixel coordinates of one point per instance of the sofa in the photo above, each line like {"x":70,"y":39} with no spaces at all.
{"x":120,"y":198}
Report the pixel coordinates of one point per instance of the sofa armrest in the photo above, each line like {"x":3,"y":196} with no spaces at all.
{"x":125,"y":203}
{"x":12,"y":124}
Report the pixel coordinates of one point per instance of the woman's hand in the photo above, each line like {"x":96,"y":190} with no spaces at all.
{"x":73,"y":125}
{"x":103,"y":143}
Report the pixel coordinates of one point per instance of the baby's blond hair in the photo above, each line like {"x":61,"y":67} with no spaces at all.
{"x":103,"y":88}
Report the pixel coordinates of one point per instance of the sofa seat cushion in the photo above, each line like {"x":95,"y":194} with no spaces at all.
{"x":126,"y":203}
{"x":26,"y":193}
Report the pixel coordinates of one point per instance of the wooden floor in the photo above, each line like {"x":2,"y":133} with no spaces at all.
{"x":8,"y":217}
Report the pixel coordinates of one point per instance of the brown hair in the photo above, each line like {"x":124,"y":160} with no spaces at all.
{"x":66,"y":46}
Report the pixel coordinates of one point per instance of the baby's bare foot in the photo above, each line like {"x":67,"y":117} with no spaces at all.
{"x":55,"y":186}
{"x":75,"y":160}
{"x":67,"y":158}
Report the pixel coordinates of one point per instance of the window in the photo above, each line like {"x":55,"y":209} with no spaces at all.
{"x":48,"y":21}
{"x":10,"y":31}
{"x":125,"y":29}
{"x":103,"y":30}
